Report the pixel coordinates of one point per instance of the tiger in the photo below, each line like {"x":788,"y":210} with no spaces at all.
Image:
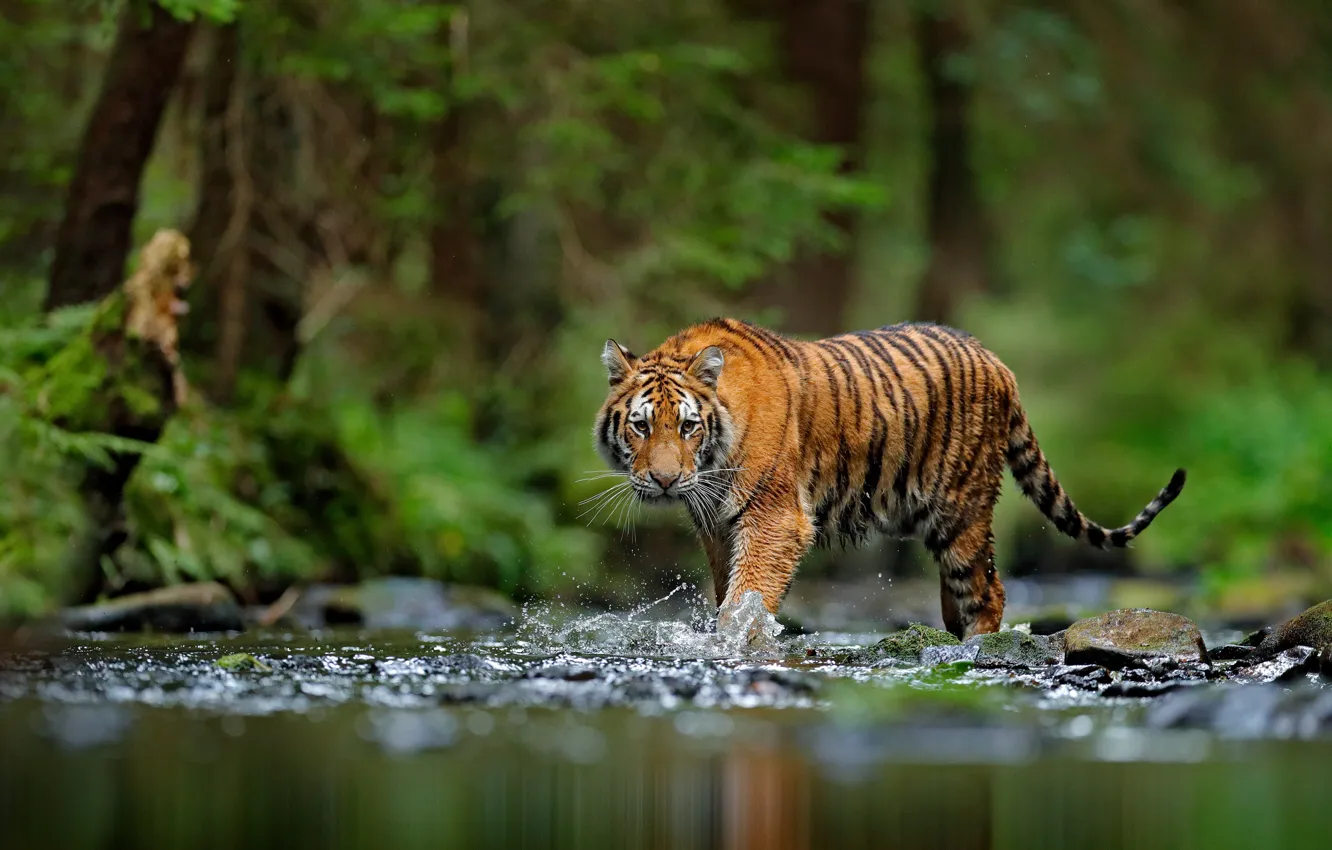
{"x":776,"y":445}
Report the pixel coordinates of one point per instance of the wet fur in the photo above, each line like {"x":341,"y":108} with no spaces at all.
{"x":905,"y":430}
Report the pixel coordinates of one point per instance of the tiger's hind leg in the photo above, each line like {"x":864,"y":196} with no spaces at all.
{"x":969,"y":587}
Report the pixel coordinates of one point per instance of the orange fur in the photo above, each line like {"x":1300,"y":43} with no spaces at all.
{"x":776,"y":444}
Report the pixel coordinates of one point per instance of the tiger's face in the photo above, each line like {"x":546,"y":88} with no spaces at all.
{"x":662,"y":423}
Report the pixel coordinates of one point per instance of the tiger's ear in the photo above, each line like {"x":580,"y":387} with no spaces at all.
{"x":618,"y":361}
{"x":707,"y":365}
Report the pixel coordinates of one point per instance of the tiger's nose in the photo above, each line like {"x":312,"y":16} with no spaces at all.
{"x":665,"y":481}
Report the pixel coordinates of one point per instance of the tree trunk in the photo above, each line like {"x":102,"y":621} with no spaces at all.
{"x":222,"y":219}
{"x":824,"y":46}
{"x":134,"y":336}
{"x":956,"y":226}
{"x":455,"y":255}
{"x":94,"y":236}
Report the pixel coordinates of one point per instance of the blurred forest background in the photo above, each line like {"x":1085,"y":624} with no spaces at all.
{"x":415,"y":223}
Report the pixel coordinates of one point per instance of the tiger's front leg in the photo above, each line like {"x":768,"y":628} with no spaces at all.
{"x":717,"y":546}
{"x":767,"y":544}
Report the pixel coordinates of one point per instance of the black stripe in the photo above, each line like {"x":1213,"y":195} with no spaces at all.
{"x":843,"y":364}
{"x":982,"y":445}
{"x":1049,"y":492}
{"x":943,"y":536}
{"x":913,"y":355}
{"x":909,"y":413}
{"x":946,"y":438}
{"x":873,"y":467}
{"x":760,"y":338}
{"x":832,"y":387}
{"x":1095,"y":535}
{"x":958,"y":572}
{"x":821,"y":517}
{"x":1066,"y":519}
{"x":1024,"y":466}
{"x":775,"y":339}
{"x":881,"y":361}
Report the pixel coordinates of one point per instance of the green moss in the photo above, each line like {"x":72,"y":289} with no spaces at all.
{"x":1015,"y":648}
{"x":905,"y":645}
{"x":1311,"y":628}
{"x":243,"y":661}
{"x":83,"y":377}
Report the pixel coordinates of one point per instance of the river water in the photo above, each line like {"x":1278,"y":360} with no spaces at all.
{"x":631,"y":730}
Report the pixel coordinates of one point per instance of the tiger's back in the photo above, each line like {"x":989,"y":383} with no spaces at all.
{"x":904,"y":430}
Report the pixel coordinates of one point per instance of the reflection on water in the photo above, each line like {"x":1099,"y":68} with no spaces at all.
{"x":371,"y":778}
{"x":631,"y":731}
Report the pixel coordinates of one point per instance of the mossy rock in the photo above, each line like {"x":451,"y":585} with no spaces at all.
{"x":243,"y":661}
{"x":904,"y":646}
{"x":1014,"y":649}
{"x":1133,"y":637}
{"x":1311,"y":628}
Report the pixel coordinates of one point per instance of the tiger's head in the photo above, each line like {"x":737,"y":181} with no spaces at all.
{"x":663,"y":424}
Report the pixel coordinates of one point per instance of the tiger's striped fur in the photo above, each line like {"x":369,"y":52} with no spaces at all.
{"x":776,"y":445}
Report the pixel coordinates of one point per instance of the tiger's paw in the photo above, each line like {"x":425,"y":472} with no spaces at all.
{"x":747,"y":623}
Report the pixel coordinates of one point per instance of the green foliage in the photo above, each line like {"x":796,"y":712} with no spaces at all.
{"x":630,"y":168}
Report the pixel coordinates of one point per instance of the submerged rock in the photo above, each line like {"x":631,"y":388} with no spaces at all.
{"x":1231,"y":652}
{"x":1140,"y":690}
{"x":1287,"y":665}
{"x":1086,"y":677}
{"x":933,"y":656}
{"x":177,"y":609}
{"x":1133,"y":637}
{"x":905,"y":646}
{"x":405,"y":603}
{"x":1013,"y":649}
{"x":243,"y":661}
{"x":1312,"y":628}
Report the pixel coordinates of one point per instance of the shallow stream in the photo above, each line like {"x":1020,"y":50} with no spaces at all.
{"x":575,"y":730}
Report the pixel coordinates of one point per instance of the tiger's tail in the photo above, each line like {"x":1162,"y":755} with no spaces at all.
{"x":1039,"y":484}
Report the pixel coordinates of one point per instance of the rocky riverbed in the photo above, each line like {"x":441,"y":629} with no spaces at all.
{"x":404,"y":714}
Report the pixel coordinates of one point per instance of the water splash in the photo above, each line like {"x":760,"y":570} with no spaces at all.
{"x":746,"y":630}
{"x":748,"y":624}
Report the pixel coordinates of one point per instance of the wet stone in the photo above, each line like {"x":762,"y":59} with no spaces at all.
{"x":1288,"y":665}
{"x":933,"y":656}
{"x":788,"y":680}
{"x":1249,"y":712}
{"x":1312,"y":628}
{"x":682,"y":687}
{"x":1013,"y":649}
{"x":1230,"y":652}
{"x":1086,"y":677}
{"x":1141,"y":689}
{"x":1256,"y":638}
{"x":1133,"y":637}
{"x":904,"y":647}
{"x":563,"y":672}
